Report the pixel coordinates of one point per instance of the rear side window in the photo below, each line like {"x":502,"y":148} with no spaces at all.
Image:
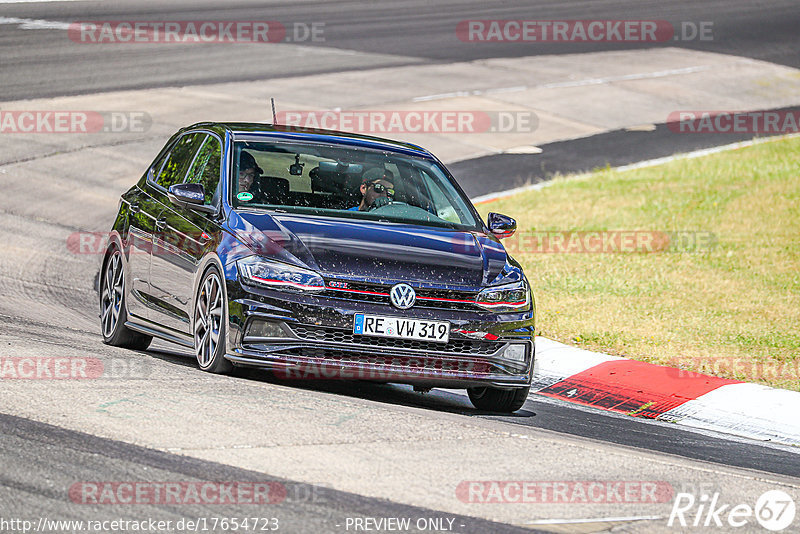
{"x":206,"y":168}
{"x":174,"y":170}
{"x":157,"y":164}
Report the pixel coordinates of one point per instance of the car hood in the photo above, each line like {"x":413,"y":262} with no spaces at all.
{"x":373,"y":251}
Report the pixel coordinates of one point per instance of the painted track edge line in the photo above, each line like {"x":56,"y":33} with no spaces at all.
{"x":489,"y":197}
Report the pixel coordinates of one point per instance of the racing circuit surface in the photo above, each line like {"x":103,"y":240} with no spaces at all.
{"x":340,"y":450}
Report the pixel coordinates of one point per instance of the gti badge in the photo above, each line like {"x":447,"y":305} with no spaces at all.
{"x":403,"y":296}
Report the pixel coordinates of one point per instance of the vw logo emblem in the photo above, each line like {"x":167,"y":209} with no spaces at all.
{"x":403,"y":296}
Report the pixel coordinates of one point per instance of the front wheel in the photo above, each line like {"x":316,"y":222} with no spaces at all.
{"x":209,"y":325}
{"x":498,"y":400}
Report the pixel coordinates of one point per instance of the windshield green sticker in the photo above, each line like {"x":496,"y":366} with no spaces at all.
{"x":244,"y":196}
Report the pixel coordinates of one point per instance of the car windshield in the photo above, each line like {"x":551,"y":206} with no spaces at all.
{"x":346,"y":182}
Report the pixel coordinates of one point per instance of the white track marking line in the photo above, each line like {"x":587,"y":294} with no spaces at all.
{"x":442,"y":96}
{"x":40,"y":1}
{"x":573,"y":83}
{"x":501,"y":90}
{"x":35,"y":24}
{"x":510,"y":192}
{"x":624,"y":78}
{"x":640,"y":165}
{"x":593,"y":520}
{"x":40,"y":24}
{"x":477,"y":92}
{"x":703,"y":152}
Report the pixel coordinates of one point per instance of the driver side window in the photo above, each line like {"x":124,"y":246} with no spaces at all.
{"x":206,"y":169}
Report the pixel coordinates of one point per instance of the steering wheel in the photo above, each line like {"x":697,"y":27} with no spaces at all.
{"x":381,"y":202}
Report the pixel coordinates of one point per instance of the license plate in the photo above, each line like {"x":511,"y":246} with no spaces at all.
{"x":402,"y":328}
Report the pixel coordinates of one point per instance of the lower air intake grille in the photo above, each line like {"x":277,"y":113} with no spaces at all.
{"x":339,"y":335}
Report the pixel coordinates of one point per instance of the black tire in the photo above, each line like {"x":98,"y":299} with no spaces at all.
{"x":113,"y":314}
{"x":209,"y":310}
{"x":498,"y":400}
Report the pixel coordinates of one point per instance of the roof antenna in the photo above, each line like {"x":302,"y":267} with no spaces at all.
{"x":274,"y":117}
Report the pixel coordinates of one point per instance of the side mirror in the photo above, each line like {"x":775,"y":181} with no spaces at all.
{"x":501,"y":226}
{"x":189,"y":196}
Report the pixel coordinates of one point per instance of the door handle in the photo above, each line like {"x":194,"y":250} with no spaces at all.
{"x":134,"y":207}
{"x":161,"y":223}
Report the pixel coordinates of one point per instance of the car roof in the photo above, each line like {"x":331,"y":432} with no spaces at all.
{"x":251,"y":130}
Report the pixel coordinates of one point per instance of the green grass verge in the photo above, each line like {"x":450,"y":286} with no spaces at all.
{"x":731,"y":310}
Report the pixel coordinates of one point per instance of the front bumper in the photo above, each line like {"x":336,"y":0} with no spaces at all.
{"x":311,"y":337}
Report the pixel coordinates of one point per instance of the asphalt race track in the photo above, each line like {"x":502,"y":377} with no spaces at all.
{"x":402,"y":32}
{"x":340,"y":450}
{"x":85,"y":457}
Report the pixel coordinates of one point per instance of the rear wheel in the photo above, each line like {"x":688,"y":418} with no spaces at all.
{"x":498,"y":400}
{"x":112,"y":307}
{"x":209,"y":325}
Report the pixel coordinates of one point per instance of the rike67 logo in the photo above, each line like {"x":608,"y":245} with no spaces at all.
{"x":774,"y":510}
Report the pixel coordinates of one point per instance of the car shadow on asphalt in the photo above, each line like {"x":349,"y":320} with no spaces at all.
{"x":440,"y":400}
{"x":399,"y":394}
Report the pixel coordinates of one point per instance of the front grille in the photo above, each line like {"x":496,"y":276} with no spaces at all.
{"x":363,"y":292}
{"x":340,"y":335}
{"x":417,"y":364}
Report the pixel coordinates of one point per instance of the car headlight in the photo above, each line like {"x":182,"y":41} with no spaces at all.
{"x":516,"y":296}
{"x":277,"y":275}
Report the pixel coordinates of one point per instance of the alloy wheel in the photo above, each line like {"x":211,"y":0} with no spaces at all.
{"x":207,"y":320}
{"x":111,"y":297}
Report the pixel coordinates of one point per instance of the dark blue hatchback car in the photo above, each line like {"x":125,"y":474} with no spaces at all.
{"x":318,"y":254}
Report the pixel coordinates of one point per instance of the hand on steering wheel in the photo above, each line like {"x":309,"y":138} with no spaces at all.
{"x":379,"y":203}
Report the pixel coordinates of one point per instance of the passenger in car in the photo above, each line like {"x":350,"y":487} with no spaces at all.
{"x":265,"y":189}
{"x":248,"y":171}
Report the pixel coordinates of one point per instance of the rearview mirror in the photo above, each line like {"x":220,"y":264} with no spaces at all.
{"x":296,"y":168}
{"x":190,"y":196}
{"x":501,"y":226}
